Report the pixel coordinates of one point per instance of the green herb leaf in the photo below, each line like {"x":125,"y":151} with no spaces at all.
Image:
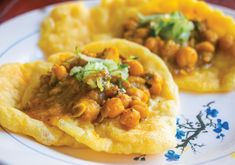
{"x":77,"y":50}
{"x":133,"y":58}
{"x":173,"y":26}
{"x":121,"y":87}
{"x":77,"y":71}
{"x":89,"y":74}
{"x":100,"y":84}
{"x":121,"y":72}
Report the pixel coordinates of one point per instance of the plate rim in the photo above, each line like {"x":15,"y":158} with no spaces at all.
{"x":6,"y":23}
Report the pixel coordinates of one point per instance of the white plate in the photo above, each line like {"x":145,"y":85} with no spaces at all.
{"x":205,"y":130}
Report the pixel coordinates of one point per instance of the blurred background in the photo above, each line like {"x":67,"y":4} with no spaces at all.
{"x":11,"y":8}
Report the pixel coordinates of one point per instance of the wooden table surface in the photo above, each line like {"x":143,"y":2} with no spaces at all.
{"x":11,"y":8}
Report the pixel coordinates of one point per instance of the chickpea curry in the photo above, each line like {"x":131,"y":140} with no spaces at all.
{"x":93,"y":87}
{"x":184,"y":44}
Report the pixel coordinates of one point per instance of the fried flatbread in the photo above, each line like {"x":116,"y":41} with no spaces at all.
{"x":14,"y":79}
{"x":153,"y":135}
{"x":65,"y":34}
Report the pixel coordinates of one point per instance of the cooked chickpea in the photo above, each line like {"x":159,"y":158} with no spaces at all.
{"x":142,"y":109}
{"x":138,"y":40}
{"x":205,"y":46}
{"x":113,"y":107}
{"x":94,"y":95}
{"x":186,"y":57}
{"x":135,"y":98}
{"x":126,"y":84}
{"x":111,"y":91}
{"x":154,"y":44}
{"x":135,"y":101}
{"x":145,"y":90}
{"x":226,"y":42}
{"x":207,"y":57}
{"x":151,"y":43}
{"x":135,"y":67}
{"x":112,"y":54}
{"x":125,"y":99}
{"x":136,"y":80}
{"x":78,"y":109}
{"x":169,"y":49}
{"x":138,"y":93}
{"x":128,"y":34}
{"x":59,"y":71}
{"x":156,"y":83}
{"x":130,"y":24}
{"x":210,"y":36}
{"x":86,"y":109}
{"x":141,"y":32}
{"x":130,"y":118}
{"x":160,"y":42}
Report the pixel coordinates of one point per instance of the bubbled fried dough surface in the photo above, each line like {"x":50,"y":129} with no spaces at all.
{"x":215,"y":79}
{"x":14,"y":80}
{"x":156,"y":132}
{"x":219,"y":77}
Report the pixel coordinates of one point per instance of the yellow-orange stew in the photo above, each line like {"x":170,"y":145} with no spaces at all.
{"x":184,"y":44}
{"x":196,"y":42}
{"x":112,"y":96}
{"x":91,"y":88}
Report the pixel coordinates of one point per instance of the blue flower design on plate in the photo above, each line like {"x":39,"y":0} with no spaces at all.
{"x":172,"y":156}
{"x":211,"y":112}
{"x":180,"y":134}
{"x":220,"y":126}
{"x":206,"y":121}
{"x":189,"y":130}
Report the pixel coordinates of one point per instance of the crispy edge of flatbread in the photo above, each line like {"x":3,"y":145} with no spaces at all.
{"x":221,"y":76}
{"x":14,"y":78}
{"x":154,"y":135}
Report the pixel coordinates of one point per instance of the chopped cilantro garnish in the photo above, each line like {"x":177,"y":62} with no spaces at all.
{"x":121,"y":87}
{"x":173,"y":26}
{"x":133,"y":58}
{"x":77,"y":50}
{"x":90,"y":73}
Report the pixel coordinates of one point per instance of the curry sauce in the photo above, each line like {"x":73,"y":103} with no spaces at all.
{"x":96,"y":88}
{"x":185,"y":45}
